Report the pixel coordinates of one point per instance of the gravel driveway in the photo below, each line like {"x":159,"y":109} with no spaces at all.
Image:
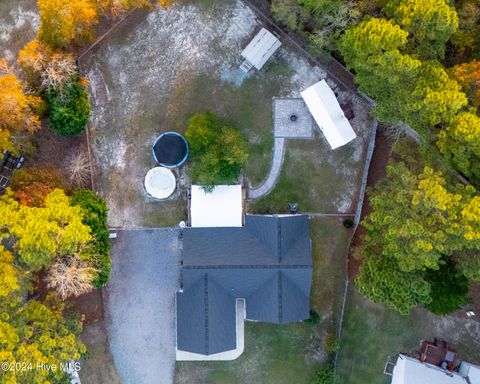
{"x":140,"y":300}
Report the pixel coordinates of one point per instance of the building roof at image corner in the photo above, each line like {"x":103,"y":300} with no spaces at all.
{"x":411,"y":371}
{"x":267,"y":262}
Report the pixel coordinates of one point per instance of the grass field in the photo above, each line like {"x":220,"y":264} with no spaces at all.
{"x":373,"y":332}
{"x":286,"y":354}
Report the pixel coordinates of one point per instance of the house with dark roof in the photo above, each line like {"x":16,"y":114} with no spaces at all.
{"x":259,"y":272}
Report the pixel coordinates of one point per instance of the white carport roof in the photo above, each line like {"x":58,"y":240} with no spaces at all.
{"x":412,"y":371}
{"x":325,"y":109}
{"x":261,"y":48}
{"x":223,"y":207}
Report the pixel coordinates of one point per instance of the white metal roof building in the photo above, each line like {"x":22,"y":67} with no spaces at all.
{"x":325,"y":109}
{"x":259,"y":50}
{"x":223,"y":207}
{"x":412,"y":371}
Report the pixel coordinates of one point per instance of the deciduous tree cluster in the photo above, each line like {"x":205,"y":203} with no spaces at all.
{"x":418,"y":220}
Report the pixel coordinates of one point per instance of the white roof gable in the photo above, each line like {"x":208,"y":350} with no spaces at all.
{"x":412,"y":371}
{"x":220,"y":208}
{"x":328,"y":114}
{"x":261,"y":48}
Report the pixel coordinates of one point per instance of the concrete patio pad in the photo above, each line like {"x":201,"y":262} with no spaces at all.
{"x":140,"y":304}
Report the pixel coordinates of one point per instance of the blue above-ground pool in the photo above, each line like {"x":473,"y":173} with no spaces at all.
{"x":170,"y":150}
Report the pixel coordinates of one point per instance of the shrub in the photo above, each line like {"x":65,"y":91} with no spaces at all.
{"x":95,"y":216}
{"x":314,"y":317}
{"x":331,"y":344}
{"x":348,"y":223}
{"x":69,"y":108}
{"x":218,"y":152}
{"x":448,"y":289}
{"x":324,"y":376}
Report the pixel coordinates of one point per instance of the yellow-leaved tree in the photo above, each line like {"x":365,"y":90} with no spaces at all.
{"x":115,"y":8}
{"x":66,"y":22}
{"x":8,"y":273}
{"x":40,"y":234}
{"x":32,"y":60}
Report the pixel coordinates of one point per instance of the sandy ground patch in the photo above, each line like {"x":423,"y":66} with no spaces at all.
{"x":19,"y":22}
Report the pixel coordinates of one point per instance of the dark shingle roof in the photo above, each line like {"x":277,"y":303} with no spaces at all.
{"x":205,"y":318}
{"x":268,"y":262}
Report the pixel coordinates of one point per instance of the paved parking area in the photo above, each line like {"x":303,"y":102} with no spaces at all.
{"x":140,"y":301}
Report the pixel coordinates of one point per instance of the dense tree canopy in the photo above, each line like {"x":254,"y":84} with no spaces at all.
{"x":431,"y":23}
{"x":32,"y":60}
{"x":420,"y":94}
{"x":64,"y":22}
{"x":94,"y":211}
{"x":32,"y":185}
{"x":40,"y":234}
{"x":448,"y":288}
{"x":17,"y":110}
{"x":8,"y":273}
{"x":468,"y":76}
{"x":417,"y":220}
{"x":290,"y":13}
{"x":69,"y":108}
{"x":32,"y":332}
{"x":382,"y":281}
{"x":466,"y":40}
{"x":460,"y":143}
{"x":218,"y":152}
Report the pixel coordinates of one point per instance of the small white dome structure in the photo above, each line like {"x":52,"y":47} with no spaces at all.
{"x":160,"y":182}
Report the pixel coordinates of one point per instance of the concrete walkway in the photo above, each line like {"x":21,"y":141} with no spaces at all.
{"x":279,"y":145}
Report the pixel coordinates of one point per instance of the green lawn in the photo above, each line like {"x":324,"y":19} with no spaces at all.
{"x":373,"y":332}
{"x":319,"y":179}
{"x":286,"y":354}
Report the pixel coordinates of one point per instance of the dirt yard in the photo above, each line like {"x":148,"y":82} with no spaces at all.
{"x":158,"y":69}
{"x":19,"y":22}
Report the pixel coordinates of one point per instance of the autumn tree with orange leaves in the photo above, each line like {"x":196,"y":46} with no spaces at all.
{"x":468,"y":76}
{"x":66,"y":22}
{"x":17,"y":110}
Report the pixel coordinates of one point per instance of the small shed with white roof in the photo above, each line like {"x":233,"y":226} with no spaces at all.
{"x":329,"y":116}
{"x":259,"y":50}
{"x":222,"y":207}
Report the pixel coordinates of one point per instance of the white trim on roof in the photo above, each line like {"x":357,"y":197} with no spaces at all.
{"x":223,"y":207}
{"x":261,"y":48}
{"x":325,"y":109}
